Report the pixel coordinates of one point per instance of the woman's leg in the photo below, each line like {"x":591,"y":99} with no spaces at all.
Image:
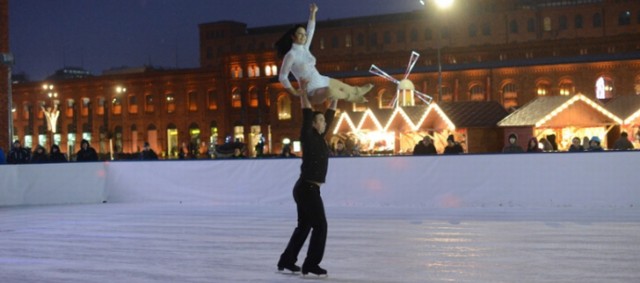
{"x":339,"y":90}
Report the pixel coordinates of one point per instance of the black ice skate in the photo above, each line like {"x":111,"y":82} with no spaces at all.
{"x":317,"y":270}
{"x":288,"y":268}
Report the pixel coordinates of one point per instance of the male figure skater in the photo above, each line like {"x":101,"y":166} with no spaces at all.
{"x":306,"y":192}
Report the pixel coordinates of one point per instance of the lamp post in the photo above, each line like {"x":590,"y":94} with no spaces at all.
{"x":442,"y":5}
{"x":51,"y":113}
{"x":7,"y":60}
{"x":120,"y":90}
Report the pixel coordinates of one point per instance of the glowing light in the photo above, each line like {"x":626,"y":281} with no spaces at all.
{"x":344,"y":118}
{"x":578,"y":97}
{"x":444,"y":4}
{"x":370,"y":114}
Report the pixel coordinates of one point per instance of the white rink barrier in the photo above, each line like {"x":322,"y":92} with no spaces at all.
{"x":607,"y":179}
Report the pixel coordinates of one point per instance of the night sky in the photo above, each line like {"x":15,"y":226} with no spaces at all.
{"x":46,"y":35}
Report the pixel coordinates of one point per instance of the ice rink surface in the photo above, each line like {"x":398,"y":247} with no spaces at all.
{"x":143,"y":242}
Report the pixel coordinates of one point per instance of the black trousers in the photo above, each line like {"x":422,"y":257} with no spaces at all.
{"x":310,"y":216}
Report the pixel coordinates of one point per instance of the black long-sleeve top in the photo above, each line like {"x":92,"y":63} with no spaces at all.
{"x":315,"y":151}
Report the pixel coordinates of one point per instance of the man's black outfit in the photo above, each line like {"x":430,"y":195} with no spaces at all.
{"x":306,"y":193}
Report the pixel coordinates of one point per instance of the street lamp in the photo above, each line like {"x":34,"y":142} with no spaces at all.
{"x":51,"y":113}
{"x":7,"y":60}
{"x":442,"y":5}
{"x":120,"y":90}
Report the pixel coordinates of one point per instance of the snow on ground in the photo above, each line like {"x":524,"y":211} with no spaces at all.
{"x":201,"y":242}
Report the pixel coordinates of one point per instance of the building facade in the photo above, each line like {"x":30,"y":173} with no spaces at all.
{"x":5,"y":135}
{"x":508,"y":51}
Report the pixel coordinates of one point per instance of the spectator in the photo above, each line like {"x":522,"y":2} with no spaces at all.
{"x":533,"y":145}
{"x":203,"y":150}
{"x":340,"y":149}
{"x":3,"y":158}
{"x":18,"y":155}
{"x":55,"y":156}
{"x":623,"y":142}
{"x":452,"y":146}
{"x":594,"y":144}
{"x":546,"y":145}
{"x":513,"y":146}
{"x":575,"y":145}
{"x":425,"y":147}
{"x":147,"y":153}
{"x":286,"y":152}
{"x":259,"y":147}
{"x":39,"y":155}
{"x":237,"y":153}
{"x":552,"y":141}
{"x":86,"y":152}
{"x":585,"y":143}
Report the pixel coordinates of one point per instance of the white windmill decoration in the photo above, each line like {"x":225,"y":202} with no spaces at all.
{"x":406,"y":90}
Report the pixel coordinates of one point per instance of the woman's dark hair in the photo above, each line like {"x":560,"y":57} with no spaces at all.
{"x":283,"y":45}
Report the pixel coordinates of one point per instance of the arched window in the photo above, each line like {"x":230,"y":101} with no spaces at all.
{"x":284,"y":106}
{"x":604,"y":88}
{"x":236,"y":98}
{"x":477,"y":93}
{"x":543,"y":88}
{"x":566,"y":87}
{"x":509,"y":95}
{"x":385,"y":98}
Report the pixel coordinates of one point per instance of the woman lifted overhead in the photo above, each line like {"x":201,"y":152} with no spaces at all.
{"x":293,"y":47}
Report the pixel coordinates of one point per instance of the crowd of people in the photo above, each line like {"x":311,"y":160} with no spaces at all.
{"x":577,"y":144}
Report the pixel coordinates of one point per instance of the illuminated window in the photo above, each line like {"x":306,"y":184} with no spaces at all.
{"x":566,"y":88}
{"x":212,"y":99}
{"x":101,"y":104}
{"x":347,"y":41}
{"x":86,"y":104}
{"x":253,"y":71}
{"x":238,"y":133}
{"x":636,"y":85}
{"x":171,"y":103}
{"x":267,"y":70}
{"x":546,"y":24}
{"x":193,"y":101}
{"x":543,"y":89}
{"x":149,"y":103}
{"x":70,"y":111}
{"x":116,"y":105}
{"x":253,"y":97}
{"x":236,"y":72}
{"x":40,"y":111}
{"x":322,"y":43}
{"x":274,"y":70}
{"x":133,"y":104}
{"x":447,"y":94}
{"x":284,"y":107}
{"x":604,"y":88}
{"x":236,"y":98}
{"x":385,"y":99}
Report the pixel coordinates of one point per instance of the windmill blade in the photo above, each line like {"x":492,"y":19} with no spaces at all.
{"x":394,"y":102}
{"x":424,"y":97}
{"x":412,"y":62}
{"x":376,"y":71}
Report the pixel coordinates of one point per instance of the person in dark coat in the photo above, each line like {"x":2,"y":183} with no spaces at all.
{"x":452,"y":146}
{"x":513,"y":146}
{"x":425,"y":147}
{"x":533,"y":145}
{"x":286,"y":152}
{"x":55,"y":155}
{"x":623,"y":142}
{"x":18,"y":154}
{"x":306,"y":192}
{"x":575,"y":145}
{"x":147,"y":153}
{"x":86,"y":152}
{"x":3,"y":158}
{"x":594,"y":144}
{"x":39,"y":155}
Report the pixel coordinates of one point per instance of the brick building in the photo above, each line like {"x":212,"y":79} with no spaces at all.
{"x":5,"y":136}
{"x":507,"y":51}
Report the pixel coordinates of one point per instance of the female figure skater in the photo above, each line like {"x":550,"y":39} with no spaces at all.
{"x":293,"y":47}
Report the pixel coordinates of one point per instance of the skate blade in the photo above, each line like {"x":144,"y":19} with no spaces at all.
{"x":287,"y":272}
{"x":314,"y":276}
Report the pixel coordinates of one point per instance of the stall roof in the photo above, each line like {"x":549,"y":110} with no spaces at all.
{"x":626,"y":107}
{"x":543,"y":109}
{"x":474,"y":114}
